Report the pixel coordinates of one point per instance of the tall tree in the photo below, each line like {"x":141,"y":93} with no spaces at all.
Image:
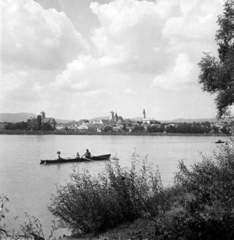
{"x":217,"y":74}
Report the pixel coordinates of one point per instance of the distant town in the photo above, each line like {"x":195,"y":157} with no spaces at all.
{"x":117,"y":123}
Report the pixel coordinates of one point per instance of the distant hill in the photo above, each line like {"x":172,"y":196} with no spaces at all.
{"x":19,"y":117}
{"x":22,"y":117}
{"x":178,"y":120}
{"x":62,"y":120}
{"x":15,"y":117}
{"x":181,"y":120}
{"x":99,"y":118}
{"x":108,"y":117}
{"x":136,"y":118}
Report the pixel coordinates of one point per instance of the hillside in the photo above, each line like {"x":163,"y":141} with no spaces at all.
{"x":99,"y":118}
{"x":22,"y":117}
{"x":16,"y":117}
{"x":19,"y":117}
{"x":181,"y":120}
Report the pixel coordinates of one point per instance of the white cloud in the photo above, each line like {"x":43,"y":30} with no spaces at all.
{"x":84,"y":74}
{"x":79,"y":86}
{"x":137,"y":44}
{"x":14,"y":85}
{"x":97,"y":92}
{"x":37,"y":38}
{"x":128,"y":91}
{"x":131,"y":32}
{"x":147,"y":37}
{"x":193,"y":30}
{"x":164,"y":39}
{"x":177,"y":77}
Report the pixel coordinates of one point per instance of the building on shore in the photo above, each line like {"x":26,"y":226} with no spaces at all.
{"x":41,"y":122}
{"x":61,"y":127}
{"x":149,"y":121}
{"x":50,"y":121}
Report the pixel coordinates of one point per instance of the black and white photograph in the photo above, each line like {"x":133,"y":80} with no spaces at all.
{"x":117,"y":119}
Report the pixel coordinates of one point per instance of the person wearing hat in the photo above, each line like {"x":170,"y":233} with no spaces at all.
{"x":77,"y":155}
{"x":58,"y":155}
{"x":87,"y":154}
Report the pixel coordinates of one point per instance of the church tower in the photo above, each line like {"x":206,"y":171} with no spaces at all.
{"x":42,"y":115}
{"x":144,"y":114}
{"x":111,"y":116}
{"x":116,"y":117}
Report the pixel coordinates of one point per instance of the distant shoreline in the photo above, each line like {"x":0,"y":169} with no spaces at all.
{"x":28,"y":132}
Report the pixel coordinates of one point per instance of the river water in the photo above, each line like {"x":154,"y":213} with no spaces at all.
{"x":29,"y":185}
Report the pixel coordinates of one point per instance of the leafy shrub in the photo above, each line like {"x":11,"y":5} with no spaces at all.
{"x":138,"y":129}
{"x":30,"y":229}
{"x":94,"y":204}
{"x":210,"y":182}
{"x":3,"y":211}
{"x":170,"y":129}
{"x":107,"y":129}
{"x":154,"y":129}
{"x":205,"y":209}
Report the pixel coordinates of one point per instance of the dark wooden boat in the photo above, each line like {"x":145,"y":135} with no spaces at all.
{"x":73,"y":160}
{"x":219,"y":141}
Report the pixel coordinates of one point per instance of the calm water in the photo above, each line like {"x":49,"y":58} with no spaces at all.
{"x":29,"y":185}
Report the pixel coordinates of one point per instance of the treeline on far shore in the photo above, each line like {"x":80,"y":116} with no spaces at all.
{"x":41,"y":132}
{"x":137,"y":129}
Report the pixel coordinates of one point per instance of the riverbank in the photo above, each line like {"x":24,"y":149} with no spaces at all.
{"x":29,"y":132}
{"x":196,"y":206}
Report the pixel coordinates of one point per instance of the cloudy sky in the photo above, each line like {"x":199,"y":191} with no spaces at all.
{"x":78,"y":59}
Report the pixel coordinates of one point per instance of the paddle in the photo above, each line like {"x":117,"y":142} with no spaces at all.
{"x":87,"y":159}
{"x":115,"y":157}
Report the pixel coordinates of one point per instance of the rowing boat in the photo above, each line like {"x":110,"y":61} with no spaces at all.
{"x":73,"y":160}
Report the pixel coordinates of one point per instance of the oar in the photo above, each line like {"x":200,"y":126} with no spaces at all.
{"x":86,"y":159}
{"x":115,"y":157}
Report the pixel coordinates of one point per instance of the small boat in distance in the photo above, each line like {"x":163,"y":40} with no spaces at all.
{"x":82,"y":159}
{"x":219,"y":141}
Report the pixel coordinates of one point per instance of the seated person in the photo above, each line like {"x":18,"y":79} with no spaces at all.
{"x":58,"y":155}
{"x":77,"y":155}
{"x":87,"y":154}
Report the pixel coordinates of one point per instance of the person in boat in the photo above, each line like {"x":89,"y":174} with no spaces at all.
{"x":58,"y":155}
{"x":87,"y":154}
{"x":77,"y":155}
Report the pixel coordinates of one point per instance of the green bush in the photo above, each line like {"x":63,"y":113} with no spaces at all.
{"x":139,"y":129}
{"x":200,"y":204}
{"x":30,"y":229}
{"x":94,"y":204}
{"x":205,"y":208}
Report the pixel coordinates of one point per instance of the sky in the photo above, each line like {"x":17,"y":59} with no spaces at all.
{"x":76,"y":59}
